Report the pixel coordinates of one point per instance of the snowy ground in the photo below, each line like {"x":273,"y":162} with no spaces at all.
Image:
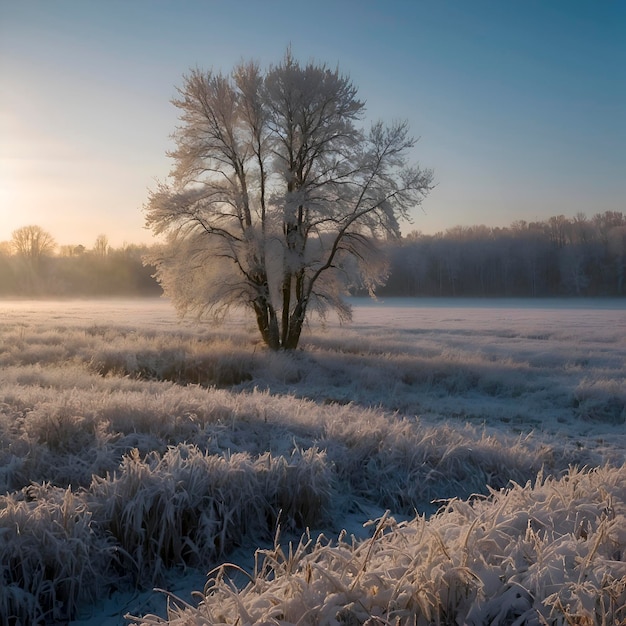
{"x":484,"y":391}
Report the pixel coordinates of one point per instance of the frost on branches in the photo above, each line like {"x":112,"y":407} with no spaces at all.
{"x":277,"y":198}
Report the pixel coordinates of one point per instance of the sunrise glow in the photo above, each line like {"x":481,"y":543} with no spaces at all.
{"x":519,"y":106}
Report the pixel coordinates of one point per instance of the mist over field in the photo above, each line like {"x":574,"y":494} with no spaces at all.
{"x":558,"y":257}
{"x":484,"y":439}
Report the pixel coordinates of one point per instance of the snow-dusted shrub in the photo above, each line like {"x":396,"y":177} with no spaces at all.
{"x":51,"y":557}
{"x":551,"y":552}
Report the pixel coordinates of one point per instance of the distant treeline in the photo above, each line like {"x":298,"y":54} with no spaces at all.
{"x":77,"y":272}
{"x":556,"y":257}
{"x":561,"y":256}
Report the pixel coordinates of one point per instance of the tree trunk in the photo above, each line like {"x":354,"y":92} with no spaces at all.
{"x":267,"y":323}
{"x":286,"y":304}
{"x":296,"y":321}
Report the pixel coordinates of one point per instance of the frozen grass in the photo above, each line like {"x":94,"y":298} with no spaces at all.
{"x":131,"y":444}
{"x":546,"y":553}
{"x":50,"y":557}
{"x":59,"y":547}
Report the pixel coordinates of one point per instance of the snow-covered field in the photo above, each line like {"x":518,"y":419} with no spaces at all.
{"x":486,"y":441}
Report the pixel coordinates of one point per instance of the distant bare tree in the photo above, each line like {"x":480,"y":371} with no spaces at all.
{"x":32,"y":243}
{"x":101,"y":246}
{"x":277,"y":199}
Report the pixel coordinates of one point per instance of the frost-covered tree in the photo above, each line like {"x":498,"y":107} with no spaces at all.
{"x":277,"y":198}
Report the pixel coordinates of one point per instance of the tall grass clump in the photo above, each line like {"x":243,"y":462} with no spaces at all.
{"x":59,"y":548}
{"x":190,"y":507}
{"x":549,"y":552}
{"x":52,"y":557}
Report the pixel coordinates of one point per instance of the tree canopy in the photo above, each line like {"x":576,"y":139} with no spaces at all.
{"x":277,"y":197}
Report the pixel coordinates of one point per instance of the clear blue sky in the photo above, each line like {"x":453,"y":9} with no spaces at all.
{"x":520,"y":104}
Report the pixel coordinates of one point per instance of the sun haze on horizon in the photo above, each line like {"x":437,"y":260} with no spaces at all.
{"x":520,"y":108}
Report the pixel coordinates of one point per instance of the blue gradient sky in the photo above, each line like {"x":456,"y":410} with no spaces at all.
{"x":520,"y":105}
